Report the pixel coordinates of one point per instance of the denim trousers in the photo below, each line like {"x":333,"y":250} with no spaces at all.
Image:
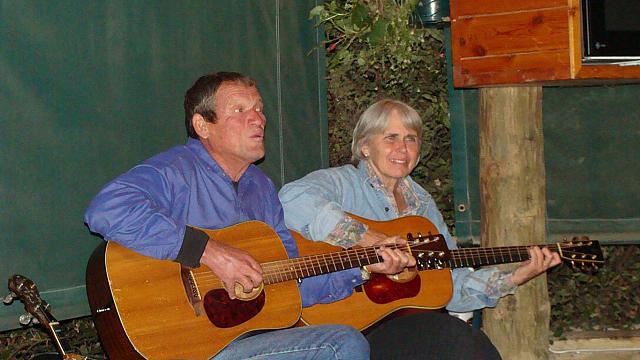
{"x":323,"y":342}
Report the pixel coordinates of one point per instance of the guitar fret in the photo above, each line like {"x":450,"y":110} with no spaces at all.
{"x":341,"y":263}
{"x":280,"y":276}
{"x":324,"y":262}
{"x":313,"y":267}
{"x":356,"y":253}
{"x":317,"y":265}
{"x":349,"y":258}
{"x":305,"y":268}
{"x":299,"y":269}
{"x":333,"y":261}
{"x":291,"y":270}
{"x":271,"y":279}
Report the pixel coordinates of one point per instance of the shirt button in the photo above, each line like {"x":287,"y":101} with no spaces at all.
{"x":386,"y":209}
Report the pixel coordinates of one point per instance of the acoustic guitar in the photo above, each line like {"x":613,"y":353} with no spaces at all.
{"x":382,"y":295}
{"x":157,"y":309}
{"x":26,"y":290}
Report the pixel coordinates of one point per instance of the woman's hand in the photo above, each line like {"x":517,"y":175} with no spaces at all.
{"x":540,"y":261}
{"x":393,"y":260}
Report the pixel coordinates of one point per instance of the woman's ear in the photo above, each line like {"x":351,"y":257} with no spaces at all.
{"x":200,"y":126}
{"x":365,"y":150}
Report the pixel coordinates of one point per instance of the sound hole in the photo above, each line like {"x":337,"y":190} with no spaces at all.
{"x":224,"y":312}
{"x":382,"y":290}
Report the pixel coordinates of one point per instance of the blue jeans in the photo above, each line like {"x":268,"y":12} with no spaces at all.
{"x":324,"y":342}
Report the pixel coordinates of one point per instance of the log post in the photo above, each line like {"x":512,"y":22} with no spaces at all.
{"x":512,"y":212}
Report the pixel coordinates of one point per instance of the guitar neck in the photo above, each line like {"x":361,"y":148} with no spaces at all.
{"x":61,"y":345}
{"x":320,"y":264}
{"x":312,"y":265}
{"x":474,"y":257}
{"x":428,"y":257}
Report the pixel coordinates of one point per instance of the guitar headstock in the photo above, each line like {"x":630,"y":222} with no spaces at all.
{"x":430,"y":251}
{"x":581,"y":252}
{"x":27,"y":291}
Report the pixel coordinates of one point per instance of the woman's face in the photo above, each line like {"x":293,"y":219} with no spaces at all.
{"x":394,"y":153}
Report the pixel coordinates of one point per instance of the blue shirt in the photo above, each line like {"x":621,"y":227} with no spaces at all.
{"x":148,"y":209}
{"x":316,"y":204}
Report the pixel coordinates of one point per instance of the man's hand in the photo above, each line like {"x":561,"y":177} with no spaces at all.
{"x":394,"y":260}
{"x":541,"y":260}
{"x":232,"y":265}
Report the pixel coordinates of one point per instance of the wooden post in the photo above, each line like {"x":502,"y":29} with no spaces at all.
{"x":512,"y":212}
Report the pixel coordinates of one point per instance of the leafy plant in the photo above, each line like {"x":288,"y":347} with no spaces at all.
{"x":377,"y":49}
{"x":606,"y":300}
{"x":80,"y":334}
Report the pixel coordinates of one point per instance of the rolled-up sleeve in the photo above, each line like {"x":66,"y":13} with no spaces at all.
{"x":312,"y":206}
{"x":325,"y":288}
{"x":479,"y":289}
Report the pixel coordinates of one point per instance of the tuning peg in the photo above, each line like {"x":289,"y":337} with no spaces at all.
{"x":26,"y":319}
{"x":7,"y":300}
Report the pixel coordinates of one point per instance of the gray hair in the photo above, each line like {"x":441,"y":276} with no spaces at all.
{"x":374,"y":121}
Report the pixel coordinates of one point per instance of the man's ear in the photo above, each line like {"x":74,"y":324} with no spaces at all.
{"x":200,"y":126}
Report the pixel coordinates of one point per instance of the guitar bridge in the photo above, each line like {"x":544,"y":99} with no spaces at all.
{"x":191,"y":290}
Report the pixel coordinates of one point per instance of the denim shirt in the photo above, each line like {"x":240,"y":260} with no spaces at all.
{"x":315,"y":204}
{"x":148,"y":208}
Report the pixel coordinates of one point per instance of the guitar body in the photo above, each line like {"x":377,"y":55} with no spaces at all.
{"x":141,"y":306}
{"x":431,"y":289}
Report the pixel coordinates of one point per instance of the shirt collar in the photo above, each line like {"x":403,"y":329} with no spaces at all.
{"x":196,"y":146}
{"x":410,"y":196}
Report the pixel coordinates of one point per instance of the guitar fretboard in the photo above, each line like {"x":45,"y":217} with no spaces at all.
{"x":313,"y":265}
{"x":466,"y":257}
{"x":472,"y":257}
{"x":431,"y":254}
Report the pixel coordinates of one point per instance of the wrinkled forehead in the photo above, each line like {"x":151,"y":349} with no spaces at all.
{"x":234,"y":92}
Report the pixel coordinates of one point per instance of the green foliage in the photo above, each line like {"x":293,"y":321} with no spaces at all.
{"x":377,"y":49}
{"x":80,"y":334}
{"x":606,"y":300}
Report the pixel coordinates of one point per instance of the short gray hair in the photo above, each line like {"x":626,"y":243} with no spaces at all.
{"x":375,"y":119}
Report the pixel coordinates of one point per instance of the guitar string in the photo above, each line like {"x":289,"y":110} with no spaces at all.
{"x":315,"y":263}
{"x":319,"y":261}
{"x":288,"y":269}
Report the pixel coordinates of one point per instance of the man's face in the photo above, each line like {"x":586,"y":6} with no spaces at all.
{"x":236,"y":139}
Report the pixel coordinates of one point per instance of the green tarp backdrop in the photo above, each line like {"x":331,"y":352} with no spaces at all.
{"x":90,"y":88}
{"x":592,"y":162}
